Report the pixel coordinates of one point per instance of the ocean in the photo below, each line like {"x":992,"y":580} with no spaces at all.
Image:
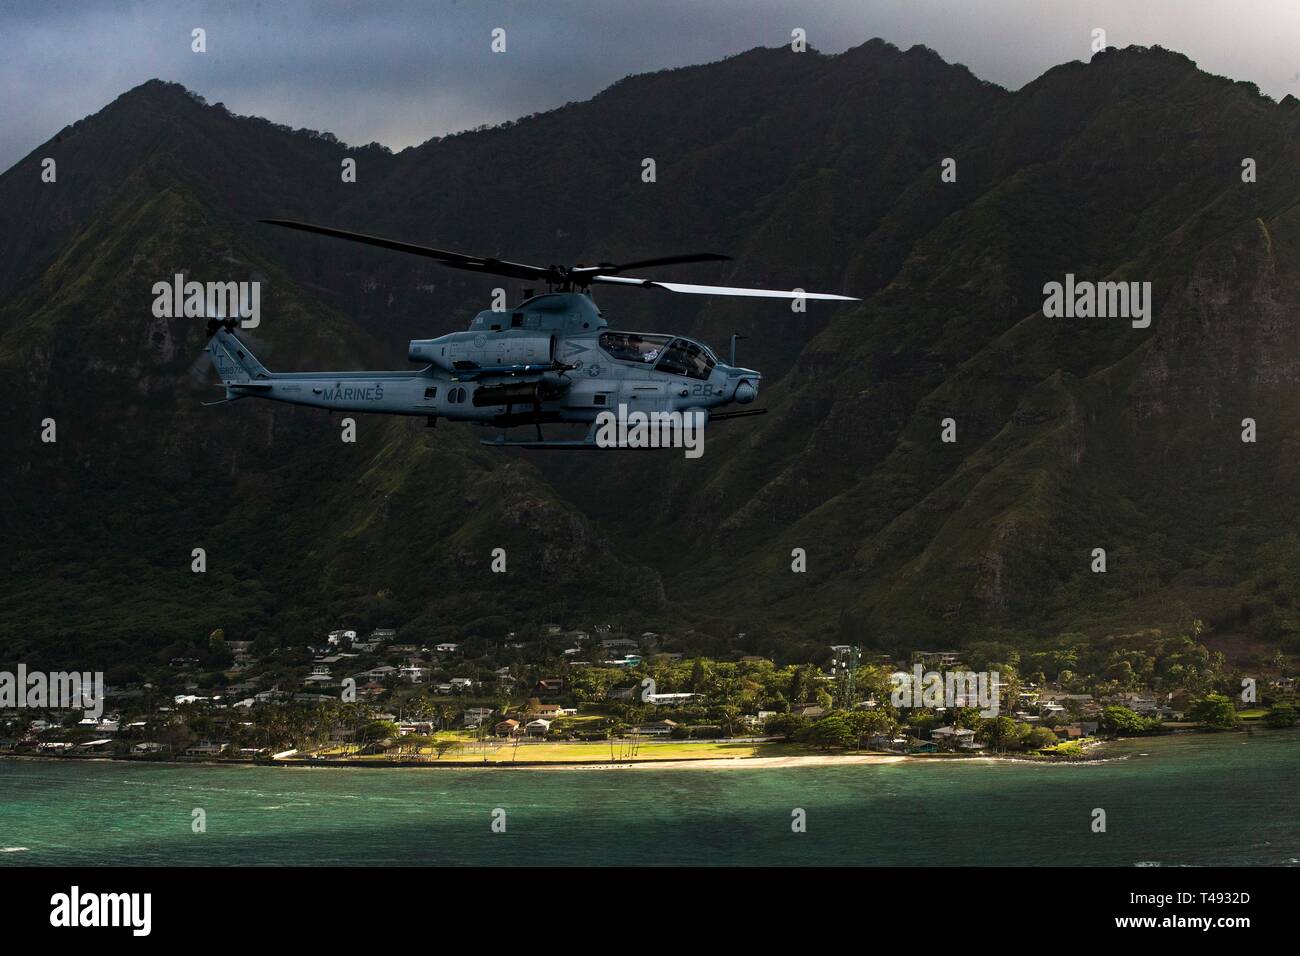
{"x":1183,"y":800}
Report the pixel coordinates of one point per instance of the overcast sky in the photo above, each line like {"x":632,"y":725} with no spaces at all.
{"x":399,"y":72}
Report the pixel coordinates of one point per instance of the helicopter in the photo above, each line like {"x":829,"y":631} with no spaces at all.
{"x":552,"y":359}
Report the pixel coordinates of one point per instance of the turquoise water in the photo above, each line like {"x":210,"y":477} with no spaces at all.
{"x":1190,"y":799}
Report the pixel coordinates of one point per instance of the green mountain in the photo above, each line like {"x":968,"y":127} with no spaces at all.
{"x":811,"y":170}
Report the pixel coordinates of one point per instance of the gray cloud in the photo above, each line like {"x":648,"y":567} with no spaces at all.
{"x":399,"y":72}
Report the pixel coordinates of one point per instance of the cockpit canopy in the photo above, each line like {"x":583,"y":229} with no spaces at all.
{"x":672,"y":356}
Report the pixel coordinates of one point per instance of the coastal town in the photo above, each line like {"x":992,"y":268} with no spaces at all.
{"x":599,"y":695}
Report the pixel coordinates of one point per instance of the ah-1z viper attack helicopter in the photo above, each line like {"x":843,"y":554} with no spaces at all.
{"x":551,"y":359}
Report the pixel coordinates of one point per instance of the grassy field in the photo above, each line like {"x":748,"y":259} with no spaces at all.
{"x":503,"y":752}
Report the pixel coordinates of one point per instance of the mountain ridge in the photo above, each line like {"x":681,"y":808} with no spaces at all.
{"x":814,"y":170}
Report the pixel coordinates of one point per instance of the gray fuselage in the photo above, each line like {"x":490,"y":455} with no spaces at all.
{"x":551,"y":359}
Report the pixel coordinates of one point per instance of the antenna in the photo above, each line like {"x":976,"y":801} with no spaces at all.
{"x":846,"y":664}
{"x":735,"y":337}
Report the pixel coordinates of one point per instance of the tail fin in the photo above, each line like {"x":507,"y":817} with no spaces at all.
{"x":232,"y":359}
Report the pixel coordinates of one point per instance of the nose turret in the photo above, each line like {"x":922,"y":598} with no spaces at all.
{"x":742,"y":387}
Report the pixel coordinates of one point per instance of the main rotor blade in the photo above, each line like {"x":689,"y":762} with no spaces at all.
{"x":456,"y":260}
{"x":719,"y":289}
{"x":610,"y":268}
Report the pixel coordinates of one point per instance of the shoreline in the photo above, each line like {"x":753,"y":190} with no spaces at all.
{"x":670,"y":763}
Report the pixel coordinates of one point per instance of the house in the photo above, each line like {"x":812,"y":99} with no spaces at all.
{"x":1081,"y":703}
{"x":936,"y":659}
{"x":148,"y":747}
{"x":383,"y":634}
{"x":95,"y":745}
{"x":1143,"y":704}
{"x":549,"y":687}
{"x":105,"y":726}
{"x":1060,"y":697}
{"x":539,"y":727}
{"x":447,"y":648}
{"x":812,"y":711}
{"x":207,"y":748}
{"x":1077,"y":731}
{"x":422,"y":727}
{"x":669,"y":699}
{"x":655,"y":728}
{"x":476,"y":717}
{"x":953,"y":736}
{"x":550,"y":711}
{"x":462,"y":683}
{"x":619,"y":645}
{"x":506,"y":728}
{"x":414,"y":674}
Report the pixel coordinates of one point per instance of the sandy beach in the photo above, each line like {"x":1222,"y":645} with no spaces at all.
{"x":748,"y":763}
